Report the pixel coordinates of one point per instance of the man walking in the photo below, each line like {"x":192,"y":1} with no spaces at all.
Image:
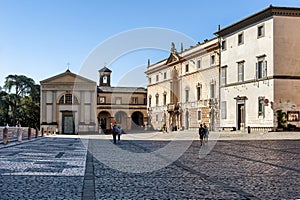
{"x":201,"y":134}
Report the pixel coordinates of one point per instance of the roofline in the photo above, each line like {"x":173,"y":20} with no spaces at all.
{"x":64,"y":73}
{"x":263,"y":14}
{"x":162,"y":62}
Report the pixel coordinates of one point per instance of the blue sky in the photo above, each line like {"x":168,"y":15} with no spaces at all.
{"x":39,"y":37}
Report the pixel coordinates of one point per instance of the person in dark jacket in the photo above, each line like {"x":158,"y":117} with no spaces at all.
{"x":201,"y":134}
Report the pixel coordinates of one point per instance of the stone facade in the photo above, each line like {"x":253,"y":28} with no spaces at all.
{"x":183,"y":89}
{"x":125,"y":106}
{"x":68,"y":104}
{"x":260,"y":69}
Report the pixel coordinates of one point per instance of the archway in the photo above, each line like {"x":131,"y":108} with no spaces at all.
{"x":104,"y":120}
{"x":137,"y":119}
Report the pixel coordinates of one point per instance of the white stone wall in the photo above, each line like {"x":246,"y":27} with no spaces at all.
{"x":251,"y":88}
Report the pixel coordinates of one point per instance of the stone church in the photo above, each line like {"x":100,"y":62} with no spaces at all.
{"x":68,"y":103}
{"x":71,"y":104}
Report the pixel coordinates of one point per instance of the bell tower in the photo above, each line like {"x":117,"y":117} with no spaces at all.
{"x":104,"y":77}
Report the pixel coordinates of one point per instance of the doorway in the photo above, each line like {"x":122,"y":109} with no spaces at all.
{"x":68,"y":124}
{"x":240,"y":116}
{"x":187,"y":120}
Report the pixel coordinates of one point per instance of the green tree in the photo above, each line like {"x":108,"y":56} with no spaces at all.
{"x":23,"y":100}
{"x":4,"y":108}
{"x":29,"y":110}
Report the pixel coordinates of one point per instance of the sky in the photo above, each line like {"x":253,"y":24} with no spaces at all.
{"x":38,"y":38}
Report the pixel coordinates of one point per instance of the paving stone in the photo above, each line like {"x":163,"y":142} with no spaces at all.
{"x":62,"y":168}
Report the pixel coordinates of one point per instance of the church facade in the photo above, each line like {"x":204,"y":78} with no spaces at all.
{"x":71,"y":104}
{"x":68,"y":104}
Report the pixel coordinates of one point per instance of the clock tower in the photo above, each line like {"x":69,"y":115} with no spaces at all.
{"x":104,"y":77}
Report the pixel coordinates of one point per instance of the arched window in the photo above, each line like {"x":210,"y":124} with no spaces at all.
{"x":68,"y":98}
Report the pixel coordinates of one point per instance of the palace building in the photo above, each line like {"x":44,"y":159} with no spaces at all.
{"x":125,"y":106}
{"x":183,"y":88}
{"x":260,"y":69}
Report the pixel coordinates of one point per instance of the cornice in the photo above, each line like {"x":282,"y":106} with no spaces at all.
{"x":259,"y":16}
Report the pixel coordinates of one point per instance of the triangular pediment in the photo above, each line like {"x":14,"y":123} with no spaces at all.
{"x":67,"y":77}
{"x":172,"y":58}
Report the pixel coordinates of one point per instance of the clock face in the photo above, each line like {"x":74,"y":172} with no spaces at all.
{"x":104,"y":79}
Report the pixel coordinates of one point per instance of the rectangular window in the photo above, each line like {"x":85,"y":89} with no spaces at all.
{"x":149,"y":101}
{"x":212,"y":90}
{"x":198,"y":64}
{"x":156,"y":117}
{"x":224,"y":75}
{"x":198,"y":93}
{"x":261,"y":106}
{"x":68,"y":98}
{"x":199,"y":115}
{"x":212,"y":59}
{"x":118,"y":100}
{"x":261,"y":68}
{"x":156,"y":100}
{"x":223,"y":45}
{"x":187,"y":95}
{"x":241,"y":71}
{"x":187,"y":68}
{"x":165,"y":75}
{"x":149,"y":80}
{"x":223,"y":110}
{"x":101,"y":100}
{"x":157,"y":78}
{"x":134,"y":100}
{"x":241,"y":38}
{"x":260,"y":31}
{"x":165,"y":99}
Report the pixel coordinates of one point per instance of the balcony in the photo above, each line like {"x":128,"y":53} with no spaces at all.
{"x":171,"y":107}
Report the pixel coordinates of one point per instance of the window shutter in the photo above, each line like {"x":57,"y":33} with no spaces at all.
{"x":265,"y":69}
{"x":256,"y":70}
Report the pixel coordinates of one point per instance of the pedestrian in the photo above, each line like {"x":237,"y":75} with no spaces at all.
{"x":114,"y":132}
{"x":164,"y":128}
{"x":201,"y":134}
{"x":171,"y":128}
{"x":206,"y":133}
{"x":119,"y":132}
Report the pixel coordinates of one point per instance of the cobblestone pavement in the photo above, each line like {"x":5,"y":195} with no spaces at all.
{"x":61,"y":168}
{"x":231,"y":170}
{"x":47,"y":168}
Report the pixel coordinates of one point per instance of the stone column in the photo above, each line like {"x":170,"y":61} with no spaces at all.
{"x":81,"y":109}
{"x":43,"y":106}
{"x":92,"y":107}
{"x":54,"y":116}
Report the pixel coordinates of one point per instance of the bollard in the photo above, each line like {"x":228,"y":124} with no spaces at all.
{"x":5,"y":135}
{"x":249,"y":130}
{"x":43,"y":132}
{"x":36,"y":132}
{"x":19,"y":134}
{"x":29,"y":133}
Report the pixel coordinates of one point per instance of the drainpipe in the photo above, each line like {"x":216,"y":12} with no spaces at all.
{"x":219,"y":45}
